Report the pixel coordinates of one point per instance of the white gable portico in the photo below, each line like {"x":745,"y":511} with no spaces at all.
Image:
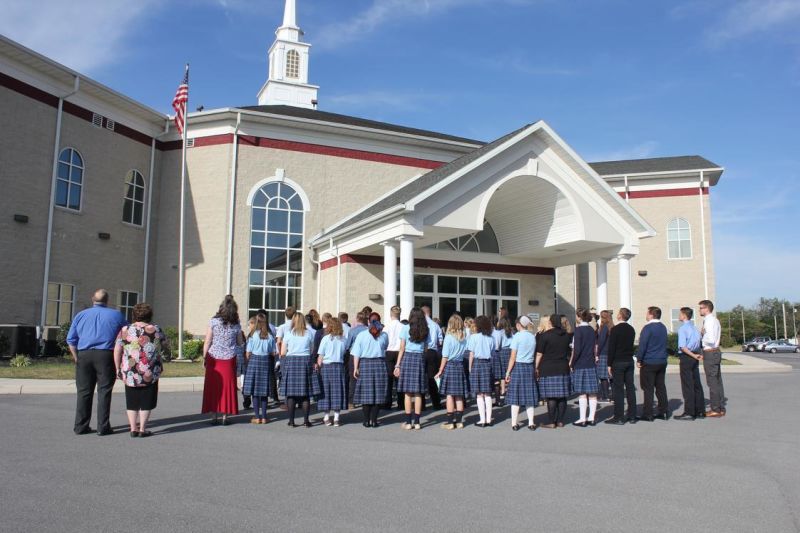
{"x":545,"y":206}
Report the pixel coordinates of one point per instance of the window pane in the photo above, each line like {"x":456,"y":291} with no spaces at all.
{"x":469,"y":307}
{"x":295,"y":241}
{"x":127,"y":211}
{"x":490,"y":286}
{"x":685,"y":235}
{"x":296,"y":203}
{"x":259,"y":219}
{"x":468,"y":286}
{"x":297,"y":222}
{"x":63,"y":171}
{"x":448,"y":284}
{"x":447,"y":306}
{"x":276,"y":240}
{"x":138,"y":194}
{"x":67,"y":293}
{"x":259,"y":200}
{"x":76,"y":159}
{"x":257,"y":258}
{"x":419,"y":301}
{"x":65,"y":155}
{"x":468,"y":244}
{"x":487,"y":240}
{"x":138,"y":214}
{"x":296,"y":260}
{"x":77,"y":175}
{"x":293,"y":280}
{"x":275,"y":279}
{"x":490,"y":307}
{"x":513,"y":309}
{"x":276,"y":259}
{"x":256,"y":278}
{"x":256,"y":298}
{"x":75,"y":197}
{"x":686,"y":249}
{"x":52,"y":314}
{"x":275,"y":298}
{"x":423,"y":283}
{"x":61,"y":193}
{"x":294,"y":298}
{"x":510,"y":287}
{"x":278,"y":221}
{"x":673,"y":235}
{"x":52,"y":291}
{"x":270,"y":189}
{"x":674,"y":251}
{"x":257,"y":238}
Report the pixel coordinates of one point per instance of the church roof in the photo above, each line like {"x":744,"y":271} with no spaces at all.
{"x":655,"y":164}
{"x":325,"y":116}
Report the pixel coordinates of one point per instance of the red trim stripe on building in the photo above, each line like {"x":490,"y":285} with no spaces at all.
{"x":664,"y":193}
{"x":444,"y":265}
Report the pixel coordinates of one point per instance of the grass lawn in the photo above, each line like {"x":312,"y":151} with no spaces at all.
{"x":56,"y":368}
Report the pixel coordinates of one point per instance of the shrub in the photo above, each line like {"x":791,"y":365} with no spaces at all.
{"x":61,"y":338}
{"x":172,"y":336}
{"x":193,"y":349}
{"x":672,"y":343}
{"x":20,"y":361}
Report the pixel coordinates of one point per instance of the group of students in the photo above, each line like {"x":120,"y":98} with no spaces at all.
{"x":489,"y":361}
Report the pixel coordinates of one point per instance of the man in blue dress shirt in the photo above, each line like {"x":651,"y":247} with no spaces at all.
{"x":691,"y":353}
{"x":652,"y":363}
{"x":91,"y":341}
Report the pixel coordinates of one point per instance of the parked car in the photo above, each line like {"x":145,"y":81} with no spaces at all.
{"x":781,"y":346}
{"x":756,"y":344}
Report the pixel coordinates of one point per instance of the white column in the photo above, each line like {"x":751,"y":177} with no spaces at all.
{"x":624,"y":262}
{"x":406,"y":276}
{"x":389,"y":277}
{"x":601,"y":271}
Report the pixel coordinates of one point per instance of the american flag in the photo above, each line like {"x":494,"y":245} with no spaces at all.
{"x":179,"y":102}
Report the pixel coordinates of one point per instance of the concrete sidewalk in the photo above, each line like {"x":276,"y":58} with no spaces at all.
{"x":747,"y":365}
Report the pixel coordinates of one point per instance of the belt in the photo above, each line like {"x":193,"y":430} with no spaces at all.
{"x":710,"y":349}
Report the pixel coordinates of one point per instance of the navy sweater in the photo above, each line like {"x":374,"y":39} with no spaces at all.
{"x":653,"y":344}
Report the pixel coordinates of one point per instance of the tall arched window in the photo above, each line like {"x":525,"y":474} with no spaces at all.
{"x":679,"y":239}
{"x":292,"y":64}
{"x":133,"y":204}
{"x":69,"y":179}
{"x":276,"y":250}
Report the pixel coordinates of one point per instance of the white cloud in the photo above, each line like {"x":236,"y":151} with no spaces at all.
{"x":82,"y":34}
{"x":749,"y":17}
{"x":640,"y":151}
{"x":403,"y":101}
{"x":381,"y":12}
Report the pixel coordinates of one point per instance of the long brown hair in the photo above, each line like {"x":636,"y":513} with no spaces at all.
{"x":335,"y":327}
{"x":299,"y":325}
{"x":484,"y":325}
{"x":228,"y":311}
{"x":262,"y":326}
{"x":607,"y":319}
{"x":417,"y":325}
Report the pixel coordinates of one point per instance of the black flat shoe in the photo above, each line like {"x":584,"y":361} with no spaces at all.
{"x":532,"y":427}
{"x":307,"y":424}
{"x":632,"y":420}
{"x":291,"y":424}
{"x":579,"y":424}
{"x":684,"y":416}
{"x":664,"y":417}
{"x":516,"y":427}
{"x":615,"y":422}
{"x":134,"y":434}
{"x":85,"y":431}
{"x":104,"y":432}
{"x":645,"y":418}
{"x":591,"y":423}
{"x":366,"y":424}
{"x":143,"y":434}
{"x":480,"y":424}
{"x":488,"y":424}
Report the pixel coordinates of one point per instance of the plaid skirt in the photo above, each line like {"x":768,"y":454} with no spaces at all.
{"x":413,"y":379}
{"x":296,"y":376}
{"x":454,"y":379}
{"x":584,"y":381}
{"x":480,"y":378}
{"x":257,"y":376}
{"x":241,"y":362}
{"x":555,"y":386}
{"x":334,"y":395}
{"x":522,"y":389}
{"x":372,"y":382}
{"x":500,"y":362}
{"x":602,"y":367}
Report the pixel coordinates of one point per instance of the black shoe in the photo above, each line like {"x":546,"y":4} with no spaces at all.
{"x":516,"y":427}
{"x":307,"y":424}
{"x":645,"y":418}
{"x":104,"y":432}
{"x":247,"y":403}
{"x":579,"y":424}
{"x":700,"y":415}
{"x":143,"y":434}
{"x":488,"y":424}
{"x":591,"y":423}
{"x":532,"y":427}
{"x":664,"y":416}
{"x":291,"y":424}
{"x":615,"y":421}
{"x":366,"y":424}
{"x":684,"y":416}
{"x":134,"y":434}
{"x":84,"y":431}
{"x":632,"y":420}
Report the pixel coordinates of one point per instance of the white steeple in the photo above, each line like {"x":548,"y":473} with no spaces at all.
{"x":287,"y":83}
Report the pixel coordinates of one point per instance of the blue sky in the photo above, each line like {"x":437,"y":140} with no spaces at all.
{"x":616,"y":78}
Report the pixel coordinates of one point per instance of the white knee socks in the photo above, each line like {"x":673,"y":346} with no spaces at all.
{"x":529,"y":411}
{"x":481,"y":410}
{"x":488,"y":399}
{"x":582,"y":401}
{"x":592,"y":407}
{"x":514,"y":414}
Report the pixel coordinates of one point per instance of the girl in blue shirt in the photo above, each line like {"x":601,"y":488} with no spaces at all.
{"x":453,"y":382}
{"x":369,"y":369}
{"x":260,"y":346}
{"x":330,"y":359}
{"x":502,"y":335}
{"x":520,"y":376}
{"x":297,"y":368}
{"x":410,"y":369}
{"x":480,"y":347}
{"x":584,"y":370}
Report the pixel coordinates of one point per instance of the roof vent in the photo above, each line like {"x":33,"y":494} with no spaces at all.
{"x":97,"y":120}
{"x":190,"y":143}
{"x":110,"y":124}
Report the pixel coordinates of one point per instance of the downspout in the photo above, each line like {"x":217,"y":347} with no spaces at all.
{"x":703,"y":233}
{"x":232,"y":205}
{"x":49,"y":243}
{"x":149,"y":213}
{"x":318,"y":264}
{"x":338,"y":278}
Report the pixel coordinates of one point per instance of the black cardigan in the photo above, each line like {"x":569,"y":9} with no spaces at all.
{"x":620,"y":344}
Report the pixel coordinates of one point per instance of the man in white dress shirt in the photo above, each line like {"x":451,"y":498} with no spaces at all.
{"x":712,"y":359}
{"x":392,"y":330}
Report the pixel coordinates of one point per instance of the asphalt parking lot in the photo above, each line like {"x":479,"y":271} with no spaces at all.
{"x":739,"y":473}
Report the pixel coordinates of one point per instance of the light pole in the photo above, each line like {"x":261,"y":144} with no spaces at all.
{"x":794,"y":322}
{"x":744,"y":336}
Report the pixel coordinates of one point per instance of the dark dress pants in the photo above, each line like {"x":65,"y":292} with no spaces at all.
{"x":624,"y":389}
{"x":694,"y":402}
{"x":95,"y":368}
{"x":712,"y":365}
{"x":653,"y":378}
{"x":432,"y":362}
{"x":391,"y":361}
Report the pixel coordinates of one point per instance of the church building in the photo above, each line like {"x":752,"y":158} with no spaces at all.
{"x":277,"y":212}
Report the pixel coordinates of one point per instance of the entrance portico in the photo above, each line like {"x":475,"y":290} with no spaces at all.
{"x":526,"y":199}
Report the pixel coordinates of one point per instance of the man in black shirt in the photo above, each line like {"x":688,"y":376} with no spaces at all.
{"x":621,"y":368}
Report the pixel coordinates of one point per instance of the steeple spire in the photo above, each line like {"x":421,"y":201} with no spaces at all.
{"x":287,"y":83}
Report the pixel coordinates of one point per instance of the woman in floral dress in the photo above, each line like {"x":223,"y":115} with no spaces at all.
{"x":137,"y":357}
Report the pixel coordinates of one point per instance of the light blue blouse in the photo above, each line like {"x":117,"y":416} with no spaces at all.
{"x":524,"y":342}
{"x":258,"y":346}
{"x":434,"y":335}
{"x":368,"y":347}
{"x":506,"y":341}
{"x":453,"y":349}
{"x":497,"y":336}
{"x":332,"y":349}
{"x":411,"y":346}
{"x":481,"y":346}
{"x":298,"y":345}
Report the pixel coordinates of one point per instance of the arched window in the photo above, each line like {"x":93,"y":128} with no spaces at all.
{"x":484,"y":241}
{"x":679,"y":239}
{"x":133,"y":205}
{"x":69,"y":179}
{"x":276,"y":250}
{"x":292,"y":64}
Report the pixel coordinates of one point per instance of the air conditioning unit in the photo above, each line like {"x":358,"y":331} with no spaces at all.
{"x":18,"y":339}
{"x":50,"y":333}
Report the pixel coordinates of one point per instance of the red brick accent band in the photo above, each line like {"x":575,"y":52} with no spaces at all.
{"x":444,"y":265}
{"x":664,"y":193}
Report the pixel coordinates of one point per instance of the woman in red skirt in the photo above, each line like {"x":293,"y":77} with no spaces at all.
{"x":223,"y":335}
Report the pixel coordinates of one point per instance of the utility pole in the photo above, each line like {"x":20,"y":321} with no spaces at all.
{"x":785,"y":335}
{"x":744,"y":336}
{"x":794,"y":321}
{"x":775,"y":317}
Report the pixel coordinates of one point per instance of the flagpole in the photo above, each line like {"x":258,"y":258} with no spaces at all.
{"x":181,"y":242}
